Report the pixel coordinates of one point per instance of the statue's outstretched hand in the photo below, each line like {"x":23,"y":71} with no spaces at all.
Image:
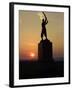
{"x":44,"y":13}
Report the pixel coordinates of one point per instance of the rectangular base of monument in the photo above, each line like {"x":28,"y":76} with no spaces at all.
{"x":45,"y":52}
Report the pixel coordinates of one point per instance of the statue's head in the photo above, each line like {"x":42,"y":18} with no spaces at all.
{"x":42,"y":20}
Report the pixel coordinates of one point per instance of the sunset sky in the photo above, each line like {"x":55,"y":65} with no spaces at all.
{"x":30,"y":30}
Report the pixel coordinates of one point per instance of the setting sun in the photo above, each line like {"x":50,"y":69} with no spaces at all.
{"x":32,"y":55}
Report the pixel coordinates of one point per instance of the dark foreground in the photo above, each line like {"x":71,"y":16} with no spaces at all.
{"x":35,"y":69}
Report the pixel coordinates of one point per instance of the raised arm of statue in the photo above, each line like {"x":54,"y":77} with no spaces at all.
{"x":46,"y":21}
{"x":44,"y":14}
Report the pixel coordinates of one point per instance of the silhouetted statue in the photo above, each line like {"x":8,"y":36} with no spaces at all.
{"x":44,"y":22}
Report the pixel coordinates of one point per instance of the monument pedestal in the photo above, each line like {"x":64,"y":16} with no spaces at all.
{"x":45,"y":50}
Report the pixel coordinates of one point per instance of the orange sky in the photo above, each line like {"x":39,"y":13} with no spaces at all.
{"x":30,"y":30}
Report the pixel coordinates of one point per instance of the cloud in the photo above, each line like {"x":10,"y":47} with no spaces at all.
{"x":40,"y":15}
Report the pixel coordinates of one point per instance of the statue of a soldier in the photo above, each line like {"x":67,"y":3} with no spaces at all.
{"x":44,"y":22}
